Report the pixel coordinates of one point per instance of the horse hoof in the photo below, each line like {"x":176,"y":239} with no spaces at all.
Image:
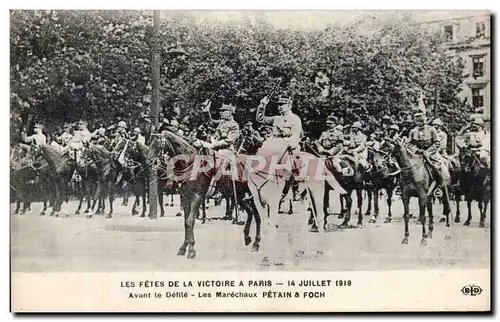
{"x":404,"y":241}
{"x":134,"y":212}
{"x":248,"y":240}
{"x":265,"y":262}
{"x":77,"y":212}
{"x":56,"y":215}
{"x":290,"y":212}
{"x":86,"y":211}
{"x":162,"y":214}
{"x":241,"y":223}
{"x":318,"y":253}
{"x":423,"y":242}
{"x":300,"y":253}
{"x":142,"y":215}
{"x":234,"y":222}
{"x":255,"y":248}
{"x":191,"y":254}
{"x":372,"y":221}
{"x":340,"y":216}
{"x":109,"y":216}
{"x":467,"y":223}
{"x":171,"y":205}
{"x":367,"y":214}
{"x":88,"y":216}
{"x":42,"y":213}
{"x":181,"y":252}
{"x":481,"y":225}
{"x":179,"y":214}
{"x":442,"y":220}
{"x":281,"y":211}
{"x":204,"y":221}
{"x":314,"y":229}
{"x":360,"y":225}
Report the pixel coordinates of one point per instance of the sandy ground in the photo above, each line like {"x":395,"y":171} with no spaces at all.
{"x":125,"y":243}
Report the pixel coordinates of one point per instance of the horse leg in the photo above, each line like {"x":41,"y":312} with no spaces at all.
{"x":186,"y":206}
{"x":290,"y":209}
{"x":97,"y":197}
{"x":342,"y":209}
{"x":111,"y":196}
{"x":457,"y":204}
{"x":431,"y":217}
{"x":172,"y":199}
{"x":77,"y":212}
{"x":469,"y":211}
{"x":18,"y":205}
{"x":136,"y":203}
{"x":144,"y":201}
{"x":389,"y":205}
{"x":406,"y":204}
{"x":44,"y":207}
{"x":189,"y":225}
{"x":248,"y":222}
{"x":161,"y":186}
{"x":326,"y":201}
{"x":315,"y":190}
{"x":483,"y":214}
{"x":370,"y":192}
{"x":422,"y":203}
{"x":481,"y":220}
{"x":347,"y":217}
{"x":359,"y":202}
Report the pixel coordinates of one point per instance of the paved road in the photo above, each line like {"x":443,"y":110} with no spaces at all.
{"x":126,"y":243}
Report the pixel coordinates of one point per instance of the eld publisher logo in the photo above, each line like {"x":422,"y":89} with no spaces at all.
{"x":472,"y":290}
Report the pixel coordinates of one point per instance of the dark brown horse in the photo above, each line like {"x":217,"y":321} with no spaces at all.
{"x":193,"y":188}
{"x":103,"y":170}
{"x":60,"y":170}
{"x":416,"y":180}
{"x":381,"y":176}
{"x":351,"y":179}
{"x":475,"y":182}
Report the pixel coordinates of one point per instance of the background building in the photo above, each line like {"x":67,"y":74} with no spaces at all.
{"x":467,"y":34}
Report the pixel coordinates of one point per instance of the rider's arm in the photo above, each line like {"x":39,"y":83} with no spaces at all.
{"x":234,"y":132}
{"x":294,"y":139}
{"x":435,"y":142}
{"x":261,"y":117}
{"x":361,"y":144}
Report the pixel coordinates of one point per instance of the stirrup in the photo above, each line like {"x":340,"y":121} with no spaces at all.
{"x":438,"y":192}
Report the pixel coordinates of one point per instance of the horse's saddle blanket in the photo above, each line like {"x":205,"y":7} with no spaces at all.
{"x":343,"y":160}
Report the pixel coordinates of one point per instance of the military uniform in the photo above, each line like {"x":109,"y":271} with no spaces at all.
{"x":226,"y":132}
{"x":286,"y":128}
{"x":425,"y":139}
{"x":331,"y":141}
{"x":477,"y":140}
{"x":357,"y":145}
{"x":38,"y":138}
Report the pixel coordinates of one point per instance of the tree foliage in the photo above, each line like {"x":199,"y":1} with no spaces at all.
{"x":96,"y":64}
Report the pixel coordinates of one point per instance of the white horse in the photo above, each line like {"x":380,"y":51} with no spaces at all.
{"x":266,"y":182}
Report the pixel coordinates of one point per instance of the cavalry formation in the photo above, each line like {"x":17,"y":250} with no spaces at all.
{"x":254,"y":169}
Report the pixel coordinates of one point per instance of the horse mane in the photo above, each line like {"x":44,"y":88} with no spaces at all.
{"x":100,"y":150}
{"x":177,"y":144}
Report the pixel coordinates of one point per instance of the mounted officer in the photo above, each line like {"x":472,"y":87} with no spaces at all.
{"x":251,"y":135}
{"x":82,"y":135}
{"x":424,"y":139}
{"x":357,"y":145}
{"x":227,"y":130}
{"x":287,"y":127}
{"x":476,"y":140}
{"x":137,"y":136}
{"x":331,"y":141}
{"x":65,"y":136}
{"x":38,"y":138}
